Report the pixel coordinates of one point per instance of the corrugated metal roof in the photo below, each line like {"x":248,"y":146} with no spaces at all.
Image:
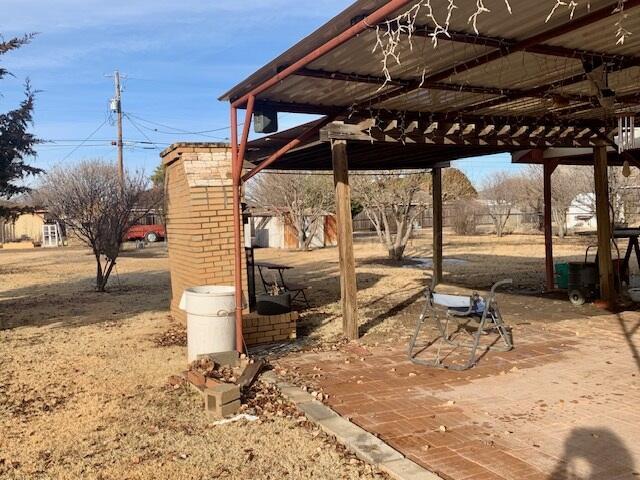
{"x":514,"y":71}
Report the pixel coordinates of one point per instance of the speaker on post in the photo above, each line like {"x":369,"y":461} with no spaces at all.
{"x":265,"y":120}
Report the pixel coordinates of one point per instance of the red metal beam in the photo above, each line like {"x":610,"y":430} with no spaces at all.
{"x":343,"y":111}
{"x":237,"y":225}
{"x":245,"y":133}
{"x":303,"y":138}
{"x":376,"y":17}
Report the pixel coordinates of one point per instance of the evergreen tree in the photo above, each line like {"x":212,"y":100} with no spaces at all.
{"x":157,"y":177}
{"x":16,"y":143}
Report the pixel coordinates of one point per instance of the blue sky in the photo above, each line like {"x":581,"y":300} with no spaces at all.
{"x":178,"y":57}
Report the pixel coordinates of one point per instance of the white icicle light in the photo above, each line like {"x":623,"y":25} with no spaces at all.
{"x":626,"y":132}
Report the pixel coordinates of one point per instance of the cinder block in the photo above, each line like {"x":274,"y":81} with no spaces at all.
{"x":221,"y":394}
{"x":222,"y":401}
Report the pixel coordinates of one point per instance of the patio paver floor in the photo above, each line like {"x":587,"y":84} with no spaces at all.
{"x":563,"y":404}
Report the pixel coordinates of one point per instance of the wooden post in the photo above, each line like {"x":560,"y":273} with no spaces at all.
{"x":548,"y":169}
{"x":605,"y":262}
{"x":348,"y":286}
{"x":436,"y":193}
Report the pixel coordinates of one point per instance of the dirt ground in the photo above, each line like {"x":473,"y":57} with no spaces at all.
{"x":390,"y":296}
{"x":83,"y":384}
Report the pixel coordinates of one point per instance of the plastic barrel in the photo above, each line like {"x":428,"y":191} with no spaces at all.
{"x":211,"y":325}
{"x":562,"y":275}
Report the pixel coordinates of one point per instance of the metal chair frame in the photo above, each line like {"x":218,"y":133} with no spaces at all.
{"x":490,"y":319}
{"x":296,"y":291}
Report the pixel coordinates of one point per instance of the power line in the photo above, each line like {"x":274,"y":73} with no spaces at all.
{"x":135,"y":125}
{"x":178,"y":130}
{"x":72,"y":143}
{"x":85,"y":140}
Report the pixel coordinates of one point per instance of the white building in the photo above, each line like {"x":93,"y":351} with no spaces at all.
{"x":267,"y":230}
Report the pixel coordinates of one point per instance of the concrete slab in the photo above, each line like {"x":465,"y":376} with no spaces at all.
{"x":404,"y":469}
{"x":269,"y":377}
{"x":362,"y":443}
{"x":294,"y":394}
{"x":316,"y":411}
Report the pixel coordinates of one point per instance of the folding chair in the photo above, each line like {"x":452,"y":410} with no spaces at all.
{"x":462,"y":310}
{"x":296,"y":290}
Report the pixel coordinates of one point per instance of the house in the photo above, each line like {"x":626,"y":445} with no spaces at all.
{"x":24,"y":227}
{"x":266,"y":229}
{"x":581,"y":214}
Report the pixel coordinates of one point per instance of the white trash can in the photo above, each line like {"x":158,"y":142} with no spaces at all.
{"x":211,"y":324}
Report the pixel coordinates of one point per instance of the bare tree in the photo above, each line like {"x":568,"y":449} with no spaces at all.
{"x":623,"y":194}
{"x":97,"y":207}
{"x":568,"y":186}
{"x":501,"y":192}
{"x":464,"y":215}
{"x":391,"y":202}
{"x":303,"y":199}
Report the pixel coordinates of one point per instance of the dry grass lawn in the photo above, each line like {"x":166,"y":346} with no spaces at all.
{"x":83,"y":386}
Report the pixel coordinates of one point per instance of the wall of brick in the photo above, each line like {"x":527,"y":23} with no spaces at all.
{"x":199,"y":218}
{"x":269,"y":328}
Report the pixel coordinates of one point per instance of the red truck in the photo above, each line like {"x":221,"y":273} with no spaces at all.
{"x":150,"y":233}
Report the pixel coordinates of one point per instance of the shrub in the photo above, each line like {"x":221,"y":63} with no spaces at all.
{"x":464,"y":217}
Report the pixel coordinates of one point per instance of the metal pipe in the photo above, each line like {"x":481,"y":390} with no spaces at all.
{"x":304,"y":136}
{"x":372,"y":19}
{"x":236,"y":227}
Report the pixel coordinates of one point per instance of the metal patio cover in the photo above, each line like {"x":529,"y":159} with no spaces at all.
{"x":517,"y":67}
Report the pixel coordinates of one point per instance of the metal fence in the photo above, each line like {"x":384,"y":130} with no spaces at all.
{"x":517,"y":220}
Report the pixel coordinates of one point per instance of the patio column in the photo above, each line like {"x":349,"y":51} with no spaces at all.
{"x":436,"y":192}
{"x":348,"y":286}
{"x":605,"y":262}
{"x":548,"y":169}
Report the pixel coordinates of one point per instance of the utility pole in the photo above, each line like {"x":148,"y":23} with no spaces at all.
{"x":116,"y":106}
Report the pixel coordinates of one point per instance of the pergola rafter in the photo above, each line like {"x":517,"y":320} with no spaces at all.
{"x":339,"y":112}
{"x":463,"y":134}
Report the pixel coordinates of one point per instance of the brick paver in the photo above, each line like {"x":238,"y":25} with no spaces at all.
{"x":564,"y":404}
